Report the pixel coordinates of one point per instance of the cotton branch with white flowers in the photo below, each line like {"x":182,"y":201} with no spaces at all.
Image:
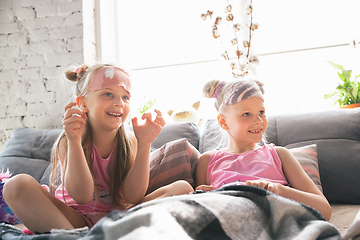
{"x":243,"y":59}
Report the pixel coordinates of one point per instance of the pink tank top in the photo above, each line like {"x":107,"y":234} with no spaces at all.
{"x":95,"y":210}
{"x":229,"y":168}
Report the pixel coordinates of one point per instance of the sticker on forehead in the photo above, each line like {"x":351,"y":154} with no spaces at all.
{"x":109,"y":72}
{"x":108,"y":77}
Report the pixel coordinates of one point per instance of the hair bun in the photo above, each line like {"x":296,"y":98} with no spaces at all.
{"x":71,"y":75}
{"x":260,"y":84}
{"x":210,"y":88}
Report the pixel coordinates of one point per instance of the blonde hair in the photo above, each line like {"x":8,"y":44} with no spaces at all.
{"x":213,"y":86}
{"x":123,"y":145}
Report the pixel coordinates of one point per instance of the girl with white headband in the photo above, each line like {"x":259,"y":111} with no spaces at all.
{"x":102,"y":166}
{"x":244,"y":162}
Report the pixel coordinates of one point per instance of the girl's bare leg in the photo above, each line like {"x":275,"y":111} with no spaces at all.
{"x":176,"y":188}
{"x":20,"y":226}
{"x":38,"y":209}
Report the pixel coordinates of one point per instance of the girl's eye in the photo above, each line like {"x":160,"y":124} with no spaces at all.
{"x":246,"y":114}
{"x":262,"y":112}
{"x":108,"y":94}
{"x":126,"y":98}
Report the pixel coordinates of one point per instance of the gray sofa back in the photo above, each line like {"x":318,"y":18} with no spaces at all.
{"x":336,"y":133}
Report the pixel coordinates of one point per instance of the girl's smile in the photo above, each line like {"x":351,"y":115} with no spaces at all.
{"x":113,"y":114}
{"x":258,"y":131}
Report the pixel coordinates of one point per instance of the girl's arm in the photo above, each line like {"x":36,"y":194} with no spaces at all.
{"x":302,"y":187}
{"x":201,"y":170}
{"x":78,"y":180}
{"x":137,"y":180}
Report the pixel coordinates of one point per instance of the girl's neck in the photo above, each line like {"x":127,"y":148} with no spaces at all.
{"x":104,"y":142}
{"x":239,"y":148}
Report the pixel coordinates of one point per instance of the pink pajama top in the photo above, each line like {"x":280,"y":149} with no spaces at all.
{"x":94,"y":211}
{"x":230,"y":168}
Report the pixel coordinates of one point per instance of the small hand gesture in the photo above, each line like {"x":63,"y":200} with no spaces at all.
{"x":74,"y":122}
{"x":147,"y":132}
{"x":269,"y":186}
{"x":205,"y":188}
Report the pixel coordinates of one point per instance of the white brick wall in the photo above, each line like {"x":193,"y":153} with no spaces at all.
{"x":38,"y":40}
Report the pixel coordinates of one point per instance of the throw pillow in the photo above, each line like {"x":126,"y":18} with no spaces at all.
{"x":178,"y":130}
{"x":170,"y":163}
{"x":213,"y":137}
{"x":307,"y":157}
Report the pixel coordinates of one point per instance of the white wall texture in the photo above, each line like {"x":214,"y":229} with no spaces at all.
{"x":38,"y":41}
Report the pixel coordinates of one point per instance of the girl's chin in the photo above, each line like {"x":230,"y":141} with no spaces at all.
{"x":257,"y":138}
{"x":116,"y":126}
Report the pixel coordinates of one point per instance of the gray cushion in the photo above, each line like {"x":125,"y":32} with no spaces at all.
{"x":31,"y":143}
{"x":31,"y":166}
{"x":213,"y":137}
{"x":28,"y":151}
{"x":305,"y":127}
{"x":174,"y":131}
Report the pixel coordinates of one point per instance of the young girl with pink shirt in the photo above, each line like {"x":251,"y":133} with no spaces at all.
{"x":242,"y":115}
{"x":102,"y":166}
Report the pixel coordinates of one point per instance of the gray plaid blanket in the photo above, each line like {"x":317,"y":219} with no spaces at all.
{"x":233,"y":212}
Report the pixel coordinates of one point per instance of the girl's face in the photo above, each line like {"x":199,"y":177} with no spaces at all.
{"x":246,"y":121}
{"x":108,"y":108}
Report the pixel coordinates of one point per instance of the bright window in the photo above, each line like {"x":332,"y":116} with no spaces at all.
{"x":170,"y":52}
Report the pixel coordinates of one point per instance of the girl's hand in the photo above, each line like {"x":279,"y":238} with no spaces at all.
{"x":205,"y":188}
{"x":269,"y":186}
{"x":147,"y":132}
{"x":74,"y":122}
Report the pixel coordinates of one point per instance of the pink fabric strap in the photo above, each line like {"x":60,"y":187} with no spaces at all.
{"x":108,"y":77}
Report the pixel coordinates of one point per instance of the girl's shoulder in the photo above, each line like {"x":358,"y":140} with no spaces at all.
{"x":206,"y":154}
{"x":202,"y":167}
{"x":205,"y":157}
{"x":284,"y":154}
{"x":281,"y":150}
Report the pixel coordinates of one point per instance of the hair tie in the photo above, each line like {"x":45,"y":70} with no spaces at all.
{"x":218,"y":89}
{"x":80,"y":71}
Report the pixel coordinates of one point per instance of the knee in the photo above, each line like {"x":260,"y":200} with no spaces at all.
{"x":17,"y":185}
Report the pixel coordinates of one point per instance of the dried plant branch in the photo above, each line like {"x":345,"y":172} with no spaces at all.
{"x":250,"y":33}
{"x":241,"y":69}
